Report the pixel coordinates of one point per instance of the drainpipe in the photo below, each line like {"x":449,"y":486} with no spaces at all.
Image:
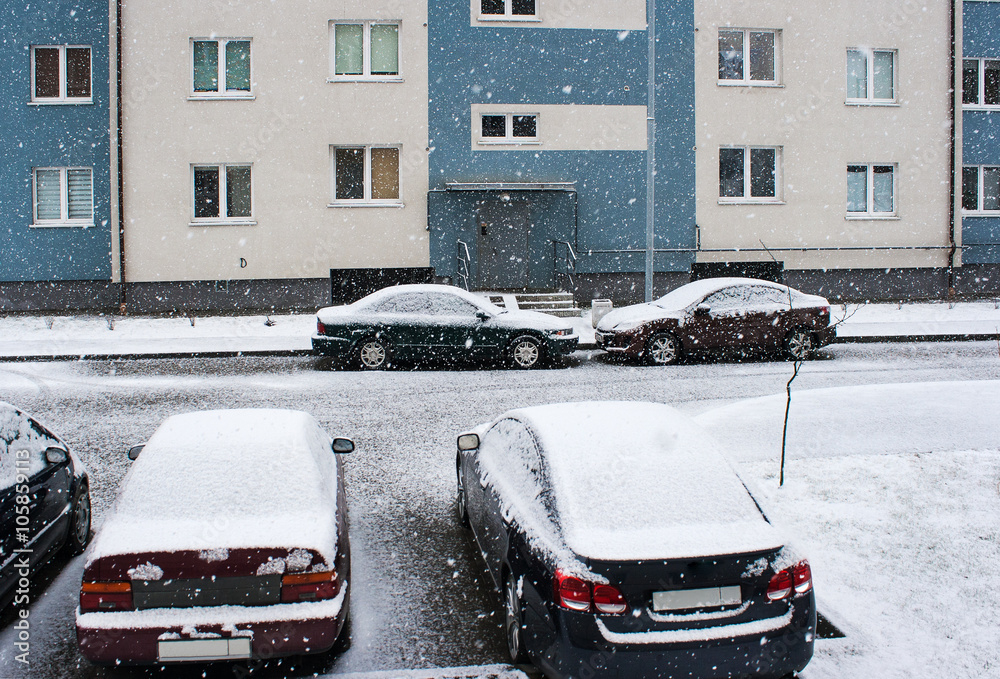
{"x":954,"y":150}
{"x":122,"y":298}
{"x":651,"y":151}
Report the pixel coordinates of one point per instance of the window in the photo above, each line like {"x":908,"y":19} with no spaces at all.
{"x":748,"y":57}
{"x":63,"y":196}
{"x":980,"y":188}
{"x":871,"y":76}
{"x":221,"y":68}
{"x":507,"y":9}
{"x":508,"y":128}
{"x":223,"y":193}
{"x":365,"y":174}
{"x":749,"y":174}
{"x":365,"y":50}
{"x":980,"y":82}
{"x":871,"y":190}
{"x":60,"y":74}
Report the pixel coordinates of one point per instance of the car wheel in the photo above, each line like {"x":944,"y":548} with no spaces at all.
{"x":461,"y":506}
{"x":373,"y":354}
{"x":514,"y":622}
{"x":799,"y":344}
{"x":525,"y":352}
{"x":663,"y":348}
{"x":79,"y":522}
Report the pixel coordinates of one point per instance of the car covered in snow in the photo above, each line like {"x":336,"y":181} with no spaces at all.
{"x":625,"y":545}
{"x":719,"y":314}
{"x":44,"y":501}
{"x":432,"y":323}
{"x":228,"y":540}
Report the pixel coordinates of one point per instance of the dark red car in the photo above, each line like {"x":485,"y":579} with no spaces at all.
{"x":719,"y":314}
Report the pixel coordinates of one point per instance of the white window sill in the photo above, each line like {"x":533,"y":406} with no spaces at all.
{"x":981,"y":213}
{"x":60,"y":102}
{"x":361,"y":203}
{"x":518,"y":19}
{"x":63,"y":225}
{"x":224,"y":222}
{"x":870,"y":102}
{"x":749,"y":83}
{"x":870,"y":217}
{"x":751,"y":201}
{"x":510,"y":142}
{"x":366,"y":79}
{"x":221,"y":97}
{"x":980,"y":107}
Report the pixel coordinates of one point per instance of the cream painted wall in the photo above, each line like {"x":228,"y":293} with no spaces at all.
{"x":286,"y":132}
{"x":820,"y":135}
{"x":570,"y":128}
{"x":621,"y":15}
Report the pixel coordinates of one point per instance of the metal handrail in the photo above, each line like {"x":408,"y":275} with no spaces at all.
{"x":568,"y":260}
{"x":464,"y":262}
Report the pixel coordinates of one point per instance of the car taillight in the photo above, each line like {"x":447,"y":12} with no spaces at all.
{"x":824,"y":310}
{"x":797,"y":578}
{"x":579,"y":595}
{"x":309,"y":586}
{"x":105,"y":596}
{"x":320,"y":328}
{"x":803,"y":576}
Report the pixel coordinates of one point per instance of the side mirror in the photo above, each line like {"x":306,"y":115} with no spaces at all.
{"x":468,"y":442}
{"x":482,"y":316}
{"x":134,"y":451}
{"x":56,"y":455}
{"x":702,"y":310}
{"x":342,"y":446}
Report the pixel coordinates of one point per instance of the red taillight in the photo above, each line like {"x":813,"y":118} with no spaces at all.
{"x":309,"y":586}
{"x":780,"y":586}
{"x":320,"y":328}
{"x":824,"y":310}
{"x":803,"y":577}
{"x":579,"y":595}
{"x":105,"y":596}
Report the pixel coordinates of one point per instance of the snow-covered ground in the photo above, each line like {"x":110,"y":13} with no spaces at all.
{"x":45,"y":336}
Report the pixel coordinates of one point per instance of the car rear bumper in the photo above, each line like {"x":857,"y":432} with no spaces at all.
{"x":825,"y":336}
{"x":134,"y":637}
{"x":330,"y":346}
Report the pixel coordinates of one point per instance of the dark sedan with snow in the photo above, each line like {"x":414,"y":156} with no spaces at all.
{"x":716,"y":315}
{"x":433,"y":323}
{"x":228,"y":541}
{"x":626,"y":546}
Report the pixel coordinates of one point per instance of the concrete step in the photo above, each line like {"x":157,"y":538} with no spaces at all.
{"x":559,"y":303}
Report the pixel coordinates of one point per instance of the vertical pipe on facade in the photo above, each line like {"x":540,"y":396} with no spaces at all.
{"x":122,"y":299}
{"x":651,"y":150}
{"x":954,"y":150}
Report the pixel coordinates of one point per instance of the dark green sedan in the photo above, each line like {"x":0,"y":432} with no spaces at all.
{"x":437,"y":323}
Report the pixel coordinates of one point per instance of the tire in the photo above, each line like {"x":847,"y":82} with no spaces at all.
{"x":514,"y":622}
{"x":525,"y":352}
{"x":79,"y":523}
{"x":663,"y":348}
{"x":799,"y":344}
{"x":372,"y":354}
{"x":461,"y":506}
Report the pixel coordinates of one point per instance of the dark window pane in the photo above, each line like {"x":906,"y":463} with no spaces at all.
{"x":522,"y":7}
{"x":730,"y":55}
{"x":762,"y":56}
{"x":46,"y":72}
{"x":991,"y":84}
{"x":492,"y":7}
{"x":731,"y":173}
{"x":970,"y":188}
{"x":238,"y":65}
{"x":970,"y":81}
{"x":238,"y":201}
{"x":206,"y":192}
{"x":350,"y":174}
{"x":991,"y":188}
{"x":78,"y":72}
{"x":762,"y":173}
{"x":495,"y":126}
{"x":525,"y":126}
{"x":206,"y":66}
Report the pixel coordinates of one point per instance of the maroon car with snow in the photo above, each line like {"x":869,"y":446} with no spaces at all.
{"x":228,"y":541}
{"x":719,"y":314}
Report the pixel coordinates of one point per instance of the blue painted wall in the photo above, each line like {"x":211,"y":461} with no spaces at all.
{"x":52,"y":136}
{"x":981,"y":130}
{"x":531,"y":65}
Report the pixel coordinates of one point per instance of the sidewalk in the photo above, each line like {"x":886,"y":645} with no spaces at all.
{"x":68,"y":337}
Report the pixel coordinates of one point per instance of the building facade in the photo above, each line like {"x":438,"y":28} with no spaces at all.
{"x":56,"y":229}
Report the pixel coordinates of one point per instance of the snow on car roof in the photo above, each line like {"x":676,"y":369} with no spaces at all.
{"x":478,"y":300}
{"x":637,"y":481}
{"x":224,"y":479}
{"x":686,"y":295}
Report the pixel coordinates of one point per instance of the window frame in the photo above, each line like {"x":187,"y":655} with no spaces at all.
{"x":366,"y":50}
{"x":980,"y":193}
{"x":746,"y":81}
{"x":508,"y":139}
{"x":221,"y":93}
{"x":508,"y":6}
{"x":869,"y":214}
{"x":746,"y":198}
{"x":980,"y":104}
{"x":367,"y":200}
{"x":222,"y":219}
{"x":64,"y":219}
{"x":62,"y":99}
{"x":869,"y":99}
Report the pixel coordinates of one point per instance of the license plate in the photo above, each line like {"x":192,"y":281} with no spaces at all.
{"x":685,"y":599}
{"x":203,"y":649}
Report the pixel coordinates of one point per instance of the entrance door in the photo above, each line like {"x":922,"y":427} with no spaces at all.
{"x":503,"y":244}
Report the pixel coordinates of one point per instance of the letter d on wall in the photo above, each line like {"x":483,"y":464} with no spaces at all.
{"x":243,"y":263}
